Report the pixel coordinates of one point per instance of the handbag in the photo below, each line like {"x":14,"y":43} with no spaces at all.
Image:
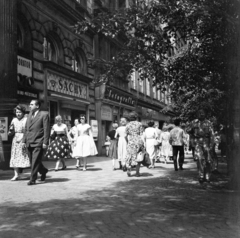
{"x":146,"y":161}
{"x":53,"y":136}
{"x":140,"y":156}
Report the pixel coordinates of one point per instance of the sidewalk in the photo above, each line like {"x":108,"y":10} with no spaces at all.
{"x":104,"y":203}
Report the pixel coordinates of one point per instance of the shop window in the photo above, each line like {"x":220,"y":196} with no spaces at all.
{"x":79,"y":64}
{"x":53,"y":112}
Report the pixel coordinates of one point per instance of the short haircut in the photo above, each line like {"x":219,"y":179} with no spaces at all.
{"x":82,"y":115}
{"x":115,"y":125}
{"x":177,"y":122}
{"x":20,"y":108}
{"x":76,"y":119}
{"x":37,"y":102}
{"x":151,"y":124}
{"x":58,"y":118}
{"x":133,"y":116}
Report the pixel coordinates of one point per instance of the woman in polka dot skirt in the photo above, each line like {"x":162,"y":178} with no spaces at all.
{"x":59,"y":148}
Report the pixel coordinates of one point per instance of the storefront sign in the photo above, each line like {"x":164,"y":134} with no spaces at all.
{"x":24,"y":66}
{"x":63,"y":85}
{"x":94,"y":125}
{"x":106,"y":113}
{"x":27,"y":94}
{"x":4,"y":128}
{"x":117,"y":96}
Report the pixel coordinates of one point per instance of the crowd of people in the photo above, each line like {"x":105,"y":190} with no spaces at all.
{"x":131,"y":144}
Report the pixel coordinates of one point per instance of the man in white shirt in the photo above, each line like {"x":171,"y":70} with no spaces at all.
{"x":177,"y":142}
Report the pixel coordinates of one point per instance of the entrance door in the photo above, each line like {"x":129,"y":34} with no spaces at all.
{"x":75,"y":114}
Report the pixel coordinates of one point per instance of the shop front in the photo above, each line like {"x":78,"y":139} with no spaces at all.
{"x":65,"y":95}
{"x":111,"y":105}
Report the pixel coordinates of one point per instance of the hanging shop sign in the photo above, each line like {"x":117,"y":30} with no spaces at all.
{"x":117,"y":96}
{"x":66,"y":86}
{"x":106,"y":113}
{"x":24,"y":66}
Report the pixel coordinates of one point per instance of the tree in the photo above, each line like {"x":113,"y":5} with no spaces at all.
{"x":185,"y":45}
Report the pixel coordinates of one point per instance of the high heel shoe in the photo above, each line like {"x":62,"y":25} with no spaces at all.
{"x":15,"y":178}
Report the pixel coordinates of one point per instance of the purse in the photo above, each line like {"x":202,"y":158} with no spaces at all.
{"x":146,"y":161}
{"x":140,"y":156}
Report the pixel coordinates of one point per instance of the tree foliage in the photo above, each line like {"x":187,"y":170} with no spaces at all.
{"x":181,"y":44}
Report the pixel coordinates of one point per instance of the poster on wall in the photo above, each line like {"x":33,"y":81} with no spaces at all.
{"x":94,"y":125}
{"x":4,"y":128}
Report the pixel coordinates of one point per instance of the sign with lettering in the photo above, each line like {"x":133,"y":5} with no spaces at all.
{"x":63,"y":85}
{"x":106,"y":113}
{"x":120,"y":97}
{"x":24,"y":66}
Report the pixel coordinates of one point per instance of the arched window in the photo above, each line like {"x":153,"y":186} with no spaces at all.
{"x":20,"y":39}
{"x":79,"y":62}
{"x":53,"y":50}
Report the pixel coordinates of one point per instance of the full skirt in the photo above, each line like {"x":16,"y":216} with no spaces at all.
{"x":19,"y":156}
{"x":59,"y":148}
{"x":122,"y":149}
{"x":85,"y":147}
{"x":150,"y":148}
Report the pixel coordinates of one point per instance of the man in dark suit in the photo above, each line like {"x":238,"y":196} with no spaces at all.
{"x":36,"y":138}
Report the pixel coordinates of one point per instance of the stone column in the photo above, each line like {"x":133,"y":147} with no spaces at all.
{"x":8,"y":65}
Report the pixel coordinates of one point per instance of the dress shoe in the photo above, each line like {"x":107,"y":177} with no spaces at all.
{"x":43,"y":176}
{"x":31,"y":183}
{"x":64,"y":167}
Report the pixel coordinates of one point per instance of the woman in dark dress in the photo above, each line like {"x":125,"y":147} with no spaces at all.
{"x":113,"y":144}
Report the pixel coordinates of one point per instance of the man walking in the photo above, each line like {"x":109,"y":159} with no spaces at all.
{"x":36,"y":138}
{"x":202,"y":132}
{"x":176,"y":140}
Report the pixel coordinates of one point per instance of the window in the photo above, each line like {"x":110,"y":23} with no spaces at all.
{"x":19,"y":36}
{"x":140,"y":85}
{"x":133,"y":80}
{"x":148,"y":87}
{"x":52,"y":49}
{"x":154,"y":92}
{"x":79,"y":62}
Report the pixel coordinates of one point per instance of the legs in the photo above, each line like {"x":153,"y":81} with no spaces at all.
{"x":113,"y":163}
{"x":35,"y":155}
{"x":16,"y":174}
{"x":181,"y":157}
{"x":57,"y":165}
{"x":175,"y":154}
{"x":84,"y":163}
{"x":138,"y":169}
{"x":78,"y":164}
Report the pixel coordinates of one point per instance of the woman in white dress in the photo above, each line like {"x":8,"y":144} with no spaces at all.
{"x":166,"y":150}
{"x":85,"y":145}
{"x":19,"y":158}
{"x":122,"y":143}
{"x":150,"y":136}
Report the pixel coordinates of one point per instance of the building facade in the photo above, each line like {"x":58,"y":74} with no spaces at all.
{"x":45,"y":59}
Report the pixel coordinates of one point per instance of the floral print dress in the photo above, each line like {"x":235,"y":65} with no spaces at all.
{"x":19,"y":157}
{"x":134,"y":131}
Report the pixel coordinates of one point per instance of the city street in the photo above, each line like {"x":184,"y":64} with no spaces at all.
{"x":103,"y":203}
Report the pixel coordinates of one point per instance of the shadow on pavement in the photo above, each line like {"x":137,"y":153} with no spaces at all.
{"x":173,"y":205}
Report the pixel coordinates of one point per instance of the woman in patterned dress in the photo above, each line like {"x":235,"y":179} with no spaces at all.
{"x":19,"y":158}
{"x":59,"y":147}
{"x":134,"y":131}
{"x":85,"y":144}
{"x":122,"y":143}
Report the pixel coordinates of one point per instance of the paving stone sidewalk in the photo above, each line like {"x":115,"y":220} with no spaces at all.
{"x":104,"y":203}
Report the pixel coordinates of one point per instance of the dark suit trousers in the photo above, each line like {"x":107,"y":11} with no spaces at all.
{"x":35,"y":155}
{"x":178,"y":149}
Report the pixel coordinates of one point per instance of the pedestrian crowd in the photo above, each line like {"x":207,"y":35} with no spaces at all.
{"x":131,"y":144}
